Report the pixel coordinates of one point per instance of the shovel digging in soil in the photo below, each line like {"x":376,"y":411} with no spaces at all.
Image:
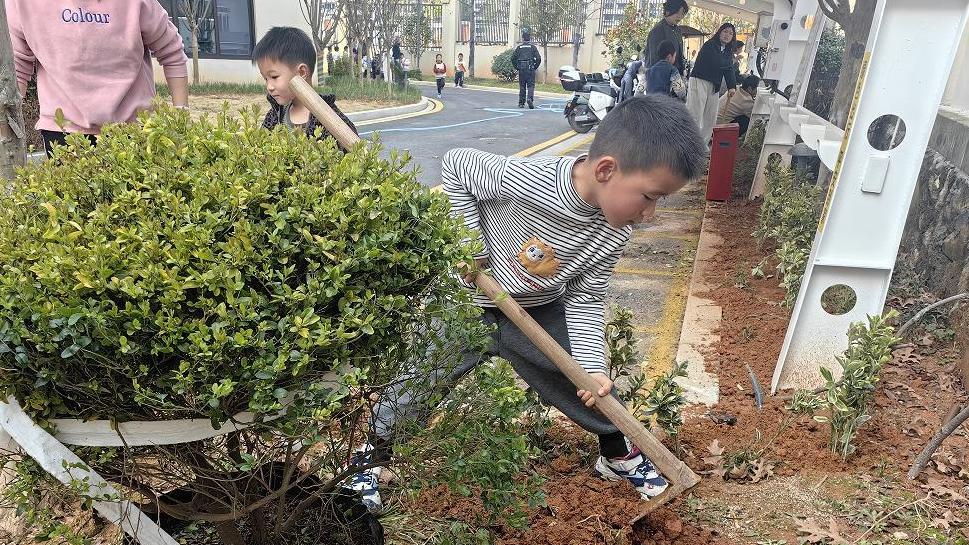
{"x":681,"y":477}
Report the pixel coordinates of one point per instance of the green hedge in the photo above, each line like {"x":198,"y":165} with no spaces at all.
{"x":502,"y":67}
{"x":205,"y":267}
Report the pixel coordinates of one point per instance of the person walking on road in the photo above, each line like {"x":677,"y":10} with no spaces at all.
{"x":666,"y":29}
{"x":440,"y":73}
{"x":459,"y":69}
{"x":714,"y":64}
{"x":526,"y":60}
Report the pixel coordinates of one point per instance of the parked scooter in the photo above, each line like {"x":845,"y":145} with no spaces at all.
{"x":594,"y":95}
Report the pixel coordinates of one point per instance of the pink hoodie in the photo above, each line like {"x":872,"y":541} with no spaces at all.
{"x":93,"y":57}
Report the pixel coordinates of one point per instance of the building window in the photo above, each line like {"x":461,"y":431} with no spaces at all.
{"x":433,"y":12}
{"x":489,"y":18}
{"x":225,"y":28}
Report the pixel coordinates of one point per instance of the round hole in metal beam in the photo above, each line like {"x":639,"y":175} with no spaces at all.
{"x":838,"y":299}
{"x":886,"y":132}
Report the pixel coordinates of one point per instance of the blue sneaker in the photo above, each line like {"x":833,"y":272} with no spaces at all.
{"x":635,"y":468}
{"x":367,"y":482}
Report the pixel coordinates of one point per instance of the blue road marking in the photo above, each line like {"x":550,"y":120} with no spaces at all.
{"x":507,"y":113}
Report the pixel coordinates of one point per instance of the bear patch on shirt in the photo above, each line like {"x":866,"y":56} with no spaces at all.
{"x":538,"y":258}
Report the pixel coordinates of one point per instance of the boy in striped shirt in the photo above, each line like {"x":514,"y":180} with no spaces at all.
{"x":553,"y":229}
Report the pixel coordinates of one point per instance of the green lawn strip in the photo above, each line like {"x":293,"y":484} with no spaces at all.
{"x":343,"y":88}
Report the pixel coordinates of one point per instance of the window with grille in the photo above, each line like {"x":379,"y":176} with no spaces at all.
{"x":433,"y":15}
{"x":489,"y":18}
{"x":613,"y":10}
{"x":225,"y":28}
{"x":572,"y":14}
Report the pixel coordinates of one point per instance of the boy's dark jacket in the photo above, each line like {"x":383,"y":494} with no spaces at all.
{"x":274,"y":117}
{"x":658,"y":77}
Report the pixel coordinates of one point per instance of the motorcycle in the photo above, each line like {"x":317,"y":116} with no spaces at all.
{"x":594,"y":95}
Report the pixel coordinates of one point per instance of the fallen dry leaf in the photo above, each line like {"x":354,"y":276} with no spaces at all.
{"x":762,"y":469}
{"x":939,"y":488}
{"x":815,"y":533}
{"x":907,"y":355}
{"x":946,"y":521}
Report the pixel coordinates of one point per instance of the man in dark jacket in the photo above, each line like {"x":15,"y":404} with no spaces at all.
{"x":526,"y":60}
{"x":714,"y":65}
{"x":666,"y":29}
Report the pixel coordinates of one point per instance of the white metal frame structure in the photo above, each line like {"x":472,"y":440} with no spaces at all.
{"x":791,"y":39}
{"x":908,"y":59}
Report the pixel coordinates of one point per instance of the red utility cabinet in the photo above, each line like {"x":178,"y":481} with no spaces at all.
{"x":723,"y":152}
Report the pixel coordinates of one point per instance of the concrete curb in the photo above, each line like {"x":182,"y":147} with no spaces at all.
{"x":505,"y":90}
{"x":701,"y":323}
{"x":393,"y":111}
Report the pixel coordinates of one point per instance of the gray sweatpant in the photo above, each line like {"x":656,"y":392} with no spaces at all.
{"x":400,"y":404}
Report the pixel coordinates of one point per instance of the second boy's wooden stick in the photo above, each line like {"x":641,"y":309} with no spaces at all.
{"x":680,"y":475}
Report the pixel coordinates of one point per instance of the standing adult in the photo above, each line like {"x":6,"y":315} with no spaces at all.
{"x":714,"y":64}
{"x":666,"y":29}
{"x":329,"y":59}
{"x":526,"y":60}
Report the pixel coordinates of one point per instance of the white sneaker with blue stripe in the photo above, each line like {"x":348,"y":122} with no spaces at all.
{"x":367,"y":482}
{"x":635,"y":468}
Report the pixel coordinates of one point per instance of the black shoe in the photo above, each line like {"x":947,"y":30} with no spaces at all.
{"x":530,"y":105}
{"x":521,"y":104}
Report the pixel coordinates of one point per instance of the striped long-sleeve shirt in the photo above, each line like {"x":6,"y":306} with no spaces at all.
{"x":542,"y":240}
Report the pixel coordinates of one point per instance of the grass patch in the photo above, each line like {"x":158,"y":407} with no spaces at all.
{"x":551,"y":87}
{"x":343,"y":88}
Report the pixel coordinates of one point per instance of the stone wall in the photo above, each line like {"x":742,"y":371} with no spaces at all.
{"x":936,"y":239}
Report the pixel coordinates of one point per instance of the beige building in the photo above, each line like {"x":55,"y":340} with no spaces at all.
{"x":232,"y":27}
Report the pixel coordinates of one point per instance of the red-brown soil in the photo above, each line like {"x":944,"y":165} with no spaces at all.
{"x":916,"y":391}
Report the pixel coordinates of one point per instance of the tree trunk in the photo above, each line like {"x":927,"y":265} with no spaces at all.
{"x":13,"y":151}
{"x":545,"y":64}
{"x":471,"y":42}
{"x":856,"y":27}
{"x":576,"y":43}
{"x":195,"y":56}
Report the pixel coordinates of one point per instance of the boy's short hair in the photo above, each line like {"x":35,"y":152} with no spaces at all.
{"x":288,"y":45}
{"x":738,"y":45}
{"x":751,"y":82}
{"x":672,"y":6}
{"x":666,"y":48}
{"x":650,"y":131}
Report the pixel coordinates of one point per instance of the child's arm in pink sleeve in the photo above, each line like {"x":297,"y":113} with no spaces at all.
{"x":24,"y":59}
{"x":163,"y":40}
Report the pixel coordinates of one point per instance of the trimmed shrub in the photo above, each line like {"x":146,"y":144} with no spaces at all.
{"x":343,"y":67}
{"x":502,"y":67}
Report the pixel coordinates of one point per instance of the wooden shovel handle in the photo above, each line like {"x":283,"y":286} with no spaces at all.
{"x":667,"y":463}
{"x":670,"y":466}
{"x":323,"y":112}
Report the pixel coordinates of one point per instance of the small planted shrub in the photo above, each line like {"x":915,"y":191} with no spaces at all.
{"x":199,"y":268}
{"x":789,"y":218}
{"x":845,"y":403}
{"x":502,"y":67}
{"x":343,"y":67}
{"x":661,"y":402}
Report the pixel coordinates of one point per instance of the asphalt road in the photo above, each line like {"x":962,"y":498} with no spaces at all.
{"x":486,"y":120}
